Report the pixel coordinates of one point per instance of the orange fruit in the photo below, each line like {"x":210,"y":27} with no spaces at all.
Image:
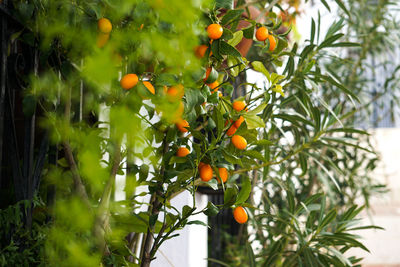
{"x":239,"y":121}
{"x":232,"y":130}
{"x":227,"y":122}
{"x":239,"y":142}
{"x":262,"y":34}
{"x":214,"y":31}
{"x":201,"y":164}
{"x":240,"y":215}
{"x":206,"y":173}
{"x":214,"y":86}
{"x":182,"y":152}
{"x":149,"y":87}
{"x":129,"y":81}
{"x":102,"y":39}
{"x":177,"y":114}
{"x":200,"y":51}
{"x":238,"y":105}
{"x":175,"y":92}
{"x":104,"y":25}
{"x":182,"y":125}
{"x":272,"y":42}
{"x":223,"y":174}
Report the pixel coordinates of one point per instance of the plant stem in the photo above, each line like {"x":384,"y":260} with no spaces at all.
{"x":78,"y":184}
{"x":156,"y":205}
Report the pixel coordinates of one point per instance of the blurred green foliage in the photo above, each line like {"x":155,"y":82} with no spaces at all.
{"x":299,"y":138}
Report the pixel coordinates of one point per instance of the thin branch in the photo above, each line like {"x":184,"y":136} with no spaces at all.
{"x":78,"y":184}
{"x":155,"y":203}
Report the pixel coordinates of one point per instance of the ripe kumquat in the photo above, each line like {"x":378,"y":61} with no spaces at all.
{"x":262,"y":34}
{"x":182,"y":125}
{"x":223,"y":174}
{"x":238,"y":105}
{"x":239,"y":142}
{"x":104,"y":25}
{"x":129,"y":81}
{"x":214,"y":31}
{"x":182,"y":152}
{"x":206,"y":173}
{"x":240,"y":215}
{"x":149,"y":87}
{"x":239,"y":122}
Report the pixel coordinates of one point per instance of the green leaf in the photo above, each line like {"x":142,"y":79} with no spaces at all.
{"x":258,"y":109}
{"x":198,"y":223}
{"x":254,"y":154}
{"x":218,"y":261}
{"x":347,"y":130}
{"x":263,"y":142}
{"x":345,"y":44}
{"x":211,"y":210}
{"x":327,"y":219}
{"x":153,"y":219}
{"x":249,"y":32}
{"x":275,"y":78}
{"x":187,"y":211}
{"x":215,"y":48}
{"x":259,"y":66}
{"x":227,"y":49}
{"x":175,"y":159}
{"x":231,"y":158}
{"x":237,"y":37}
{"x":253,"y":121}
{"x":303,"y":163}
{"x":312,"y":31}
{"x":232,"y":61}
{"x":250,"y":253}
{"x":326,"y":5}
{"x":143,"y":172}
{"x":328,"y":42}
{"x":230,"y":196}
{"x":231,"y":15}
{"x":227,"y":4}
{"x":244,"y":191}
{"x":343,"y":7}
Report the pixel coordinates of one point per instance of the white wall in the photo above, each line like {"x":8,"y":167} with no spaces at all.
{"x":189,"y":249}
{"x":385,"y":211}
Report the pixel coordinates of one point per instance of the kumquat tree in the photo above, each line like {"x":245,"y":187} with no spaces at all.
{"x":158,"y":92}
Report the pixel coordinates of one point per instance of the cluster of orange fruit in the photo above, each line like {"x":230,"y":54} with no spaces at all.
{"x":174,"y":93}
{"x":262,"y":35}
{"x":104,"y":25}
